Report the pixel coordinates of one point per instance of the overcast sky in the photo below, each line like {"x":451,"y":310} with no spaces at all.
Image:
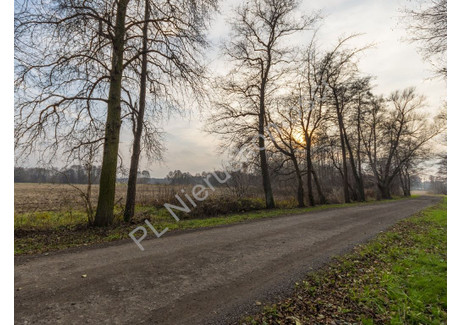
{"x":393,"y":62}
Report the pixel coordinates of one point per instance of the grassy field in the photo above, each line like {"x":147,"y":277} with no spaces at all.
{"x":398,"y":278}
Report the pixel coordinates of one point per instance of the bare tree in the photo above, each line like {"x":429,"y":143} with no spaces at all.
{"x":171,"y":70}
{"x":86,"y":156}
{"x":75,"y":57}
{"x":138,"y":122}
{"x":441,"y":119}
{"x":313,"y":111}
{"x":360,"y":98}
{"x":260,"y":58}
{"x":71,"y":54}
{"x":394,"y":135}
{"x":350,"y":99}
{"x":427,"y":26}
{"x":62,"y":75}
{"x":106,"y":199}
{"x":342,"y":72}
{"x":284,"y":131}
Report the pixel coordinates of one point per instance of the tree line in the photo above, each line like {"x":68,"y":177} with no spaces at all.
{"x":75,"y":174}
{"x":312,"y":108}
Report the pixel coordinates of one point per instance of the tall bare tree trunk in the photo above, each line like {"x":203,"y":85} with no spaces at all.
{"x":311,"y":199}
{"x":408,"y":193}
{"x":354,"y":169}
{"x":346,"y":193}
{"x":404,"y":178}
{"x":269,"y":201}
{"x":384,"y":189}
{"x":105,"y":204}
{"x":300,"y":191}
{"x":358,"y":155}
{"x":322,"y":198}
{"x":89,"y":206}
{"x":132,"y":179}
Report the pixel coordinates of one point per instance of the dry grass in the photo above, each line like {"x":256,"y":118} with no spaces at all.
{"x":33,"y":197}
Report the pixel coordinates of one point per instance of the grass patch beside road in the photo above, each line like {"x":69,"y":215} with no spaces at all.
{"x":43,"y":231}
{"x":398,"y":278}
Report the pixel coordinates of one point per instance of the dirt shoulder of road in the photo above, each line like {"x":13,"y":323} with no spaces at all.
{"x":398,"y":278}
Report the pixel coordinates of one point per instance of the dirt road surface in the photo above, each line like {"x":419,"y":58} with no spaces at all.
{"x":210,"y":276}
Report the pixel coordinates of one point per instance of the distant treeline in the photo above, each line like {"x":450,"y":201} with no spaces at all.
{"x":75,"y":174}
{"x":78,"y":174}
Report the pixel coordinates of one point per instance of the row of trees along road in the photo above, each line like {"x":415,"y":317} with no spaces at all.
{"x":84,"y":67}
{"x":303,"y":99}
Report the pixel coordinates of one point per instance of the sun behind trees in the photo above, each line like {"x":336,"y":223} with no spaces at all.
{"x":260,"y":52}
{"x":85,"y":69}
